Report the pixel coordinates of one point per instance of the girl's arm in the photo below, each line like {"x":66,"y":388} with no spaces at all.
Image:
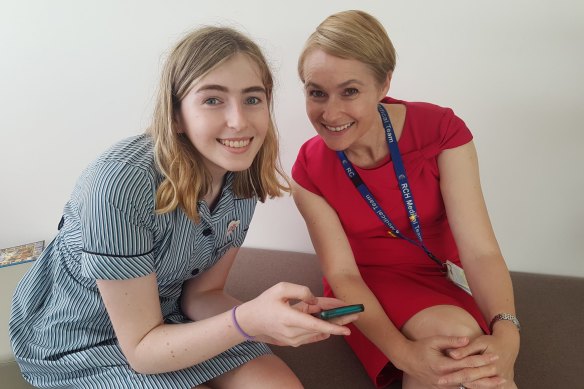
{"x":479,"y":251}
{"x":339,"y":267}
{"x":203,"y":296}
{"x":152,"y":346}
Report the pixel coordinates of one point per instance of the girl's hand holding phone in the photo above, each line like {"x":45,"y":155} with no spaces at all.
{"x":271,"y":319}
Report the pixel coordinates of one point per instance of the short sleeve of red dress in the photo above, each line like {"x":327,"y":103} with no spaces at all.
{"x":453,"y":131}
{"x":301,"y":173}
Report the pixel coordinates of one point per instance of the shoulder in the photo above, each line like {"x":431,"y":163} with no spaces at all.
{"x":420,"y":110}
{"x":126,"y":170}
{"x":315,"y":150}
{"x":137,"y":151}
{"x":430,"y":123}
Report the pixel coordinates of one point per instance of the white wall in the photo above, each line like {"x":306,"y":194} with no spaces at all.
{"x":76,"y":76}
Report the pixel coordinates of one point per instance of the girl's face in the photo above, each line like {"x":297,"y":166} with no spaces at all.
{"x":341,"y":99}
{"x":226,"y":115}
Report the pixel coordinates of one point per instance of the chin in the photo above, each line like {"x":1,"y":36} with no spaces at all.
{"x":334,"y":144}
{"x":238,"y":167}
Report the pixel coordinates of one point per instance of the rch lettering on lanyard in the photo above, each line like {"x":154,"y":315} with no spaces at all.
{"x":455,"y":273}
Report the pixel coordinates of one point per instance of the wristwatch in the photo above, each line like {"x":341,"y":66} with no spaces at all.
{"x":505,"y":316}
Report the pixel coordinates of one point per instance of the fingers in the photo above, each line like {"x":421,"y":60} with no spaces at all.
{"x":323,"y":326}
{"x":291,"y":325}
{"x":444,"y":343}
{"x":329,"y":303}
{"x":472,"y":348}
{"x":484,"y":375}
{"x":310,"y":338}
{"x":491,"y":382}
{"x":301,"y":329}
{"x":478,"y":360}
{"x":344,"y":320}
{"x":288,"y":291}
{"x":298,"y":322}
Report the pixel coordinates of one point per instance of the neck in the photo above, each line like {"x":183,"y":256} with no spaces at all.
{"x":214,"y":191}
{"x":371,"y":150}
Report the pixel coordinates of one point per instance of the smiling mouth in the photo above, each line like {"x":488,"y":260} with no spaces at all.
{"x":338,"y":128}
{"x":235,"y":143}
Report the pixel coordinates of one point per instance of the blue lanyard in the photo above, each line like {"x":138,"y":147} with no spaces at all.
{"x":400,"y":173}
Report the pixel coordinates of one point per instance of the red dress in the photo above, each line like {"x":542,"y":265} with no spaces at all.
{"x":402,"y":277}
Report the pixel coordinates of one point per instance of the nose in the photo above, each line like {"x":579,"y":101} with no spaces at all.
{"x":237,"y":117}
{"x":331,"y":111}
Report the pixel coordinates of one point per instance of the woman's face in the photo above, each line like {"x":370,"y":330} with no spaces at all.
{"x":341,"y":99}
{"x":226,"y":115}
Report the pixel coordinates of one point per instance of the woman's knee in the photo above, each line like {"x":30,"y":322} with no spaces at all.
{"x":444,"y":320}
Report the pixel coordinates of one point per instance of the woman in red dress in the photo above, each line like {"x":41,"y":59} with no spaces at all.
{"x":391,"y":196}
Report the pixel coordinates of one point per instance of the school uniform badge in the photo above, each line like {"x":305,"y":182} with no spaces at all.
{"x":232,"y":226}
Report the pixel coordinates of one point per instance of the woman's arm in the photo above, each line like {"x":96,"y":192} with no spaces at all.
{"x":339,"y":267}
{"x":479,"y":251}
{"x":420,"y":358}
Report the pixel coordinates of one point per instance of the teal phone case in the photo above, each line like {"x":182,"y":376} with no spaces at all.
{"x":340,"y":311}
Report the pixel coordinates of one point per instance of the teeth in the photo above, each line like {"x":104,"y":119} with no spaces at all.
{"x":236,"y":144}
{"x":339,"y":128}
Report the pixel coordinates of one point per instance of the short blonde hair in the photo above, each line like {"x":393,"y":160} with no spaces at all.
{"x":353,"y":35}
{"x":186,"y":177}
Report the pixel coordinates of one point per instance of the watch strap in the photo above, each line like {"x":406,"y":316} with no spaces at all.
{"x":505,"y":316}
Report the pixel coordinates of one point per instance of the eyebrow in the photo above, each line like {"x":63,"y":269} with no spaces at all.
{"x":221,"y":88}
{"x":311,"y":84}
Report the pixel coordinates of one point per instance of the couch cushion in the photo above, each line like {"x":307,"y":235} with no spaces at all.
{"x":551,"y":311}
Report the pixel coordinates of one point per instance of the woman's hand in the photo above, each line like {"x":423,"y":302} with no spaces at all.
{"x":427,"y":361}
{"x":271,"y":319}
{"x":504,"y":343}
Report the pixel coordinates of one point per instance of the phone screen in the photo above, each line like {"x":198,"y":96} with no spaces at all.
{"x":340,"y":311}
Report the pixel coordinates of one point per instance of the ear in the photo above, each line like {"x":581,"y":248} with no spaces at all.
{"x":177,"y":122}
{"x":385,"y":86}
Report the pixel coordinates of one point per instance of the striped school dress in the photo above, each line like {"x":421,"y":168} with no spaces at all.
{"x":60,"y":331}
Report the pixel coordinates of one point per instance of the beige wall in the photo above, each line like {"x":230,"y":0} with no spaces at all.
{"x":77,"y":76}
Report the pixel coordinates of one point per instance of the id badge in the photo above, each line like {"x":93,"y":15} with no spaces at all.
{"x":456,"y":275}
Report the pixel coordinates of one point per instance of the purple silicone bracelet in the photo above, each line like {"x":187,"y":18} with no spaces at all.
{"x":241,"y":331}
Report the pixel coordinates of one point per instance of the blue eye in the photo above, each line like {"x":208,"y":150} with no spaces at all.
{"x":253,"y":100}
{"x":212,"y":101}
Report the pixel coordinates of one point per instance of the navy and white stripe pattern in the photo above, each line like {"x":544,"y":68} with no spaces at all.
{"x":60,"y":331}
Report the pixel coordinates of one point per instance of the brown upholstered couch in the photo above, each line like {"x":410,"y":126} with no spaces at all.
{"x":551,"y":309}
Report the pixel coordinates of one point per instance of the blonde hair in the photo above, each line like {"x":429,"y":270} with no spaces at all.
{"x":186,"y":177}
{"x":353,"y":35}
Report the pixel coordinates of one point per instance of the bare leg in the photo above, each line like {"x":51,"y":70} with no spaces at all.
{"x":445,"y":320}
{"x":265,"y":372}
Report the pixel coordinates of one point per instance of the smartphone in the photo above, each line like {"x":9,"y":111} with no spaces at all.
{"x":340,"y":311}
